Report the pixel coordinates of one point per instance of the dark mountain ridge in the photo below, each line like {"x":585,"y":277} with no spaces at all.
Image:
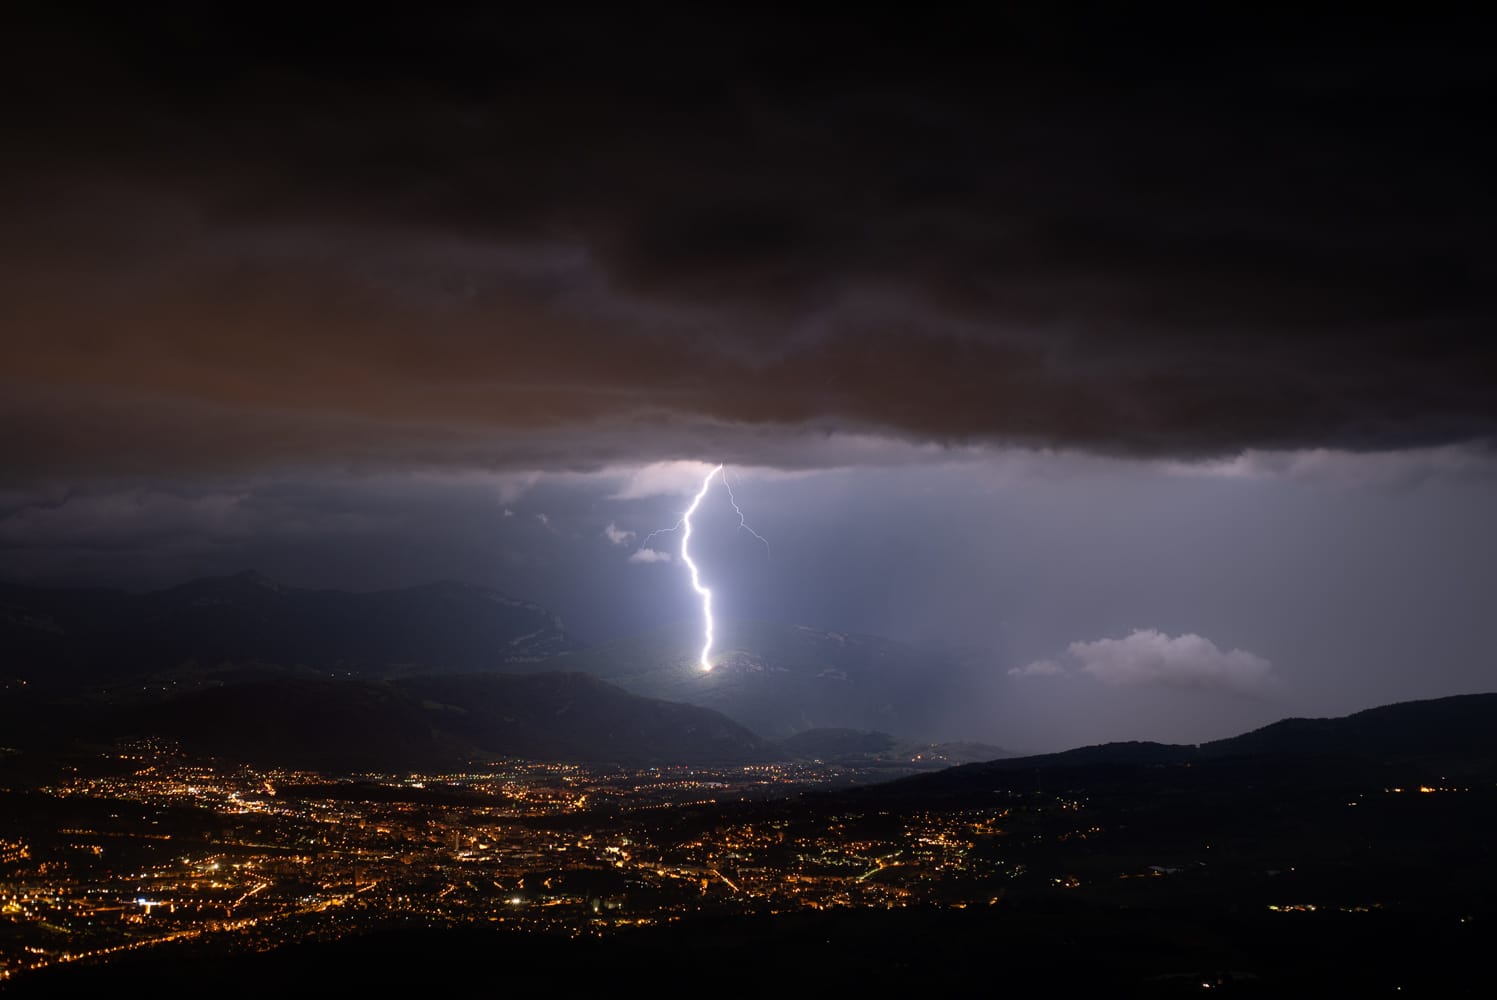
{"x":1454,"y":736}
{"x":775,"y":679}
{"x":58,"y":637}
{"x":1456,"y":725}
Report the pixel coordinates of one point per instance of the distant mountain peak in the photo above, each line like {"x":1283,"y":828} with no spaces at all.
{"x":779,"y":679}
{"x":255,"y":578}
{"x":244,"y":581}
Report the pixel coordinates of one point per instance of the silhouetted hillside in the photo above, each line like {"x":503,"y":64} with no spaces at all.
{"x":578,"y":717}
{"x":1462,"y":725}
{"x":1409,"y":741}
{"x":332,"y":725}
{"x":411,"y":723}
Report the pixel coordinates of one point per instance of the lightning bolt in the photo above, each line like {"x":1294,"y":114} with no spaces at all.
{"x":696,"y":579}
{"x":705,"y":593}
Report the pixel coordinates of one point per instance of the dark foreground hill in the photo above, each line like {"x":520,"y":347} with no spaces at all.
{"x":1036,"y":949}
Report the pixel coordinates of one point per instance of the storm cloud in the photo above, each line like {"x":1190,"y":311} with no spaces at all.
{"x":482,"y":241}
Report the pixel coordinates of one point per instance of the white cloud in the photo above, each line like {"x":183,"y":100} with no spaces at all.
{"x":617,"y":535}
{"x":544,"y":519}
{"x":649,"y":556}
{"x":1039,"y":668}
{"x":1148,"y":656}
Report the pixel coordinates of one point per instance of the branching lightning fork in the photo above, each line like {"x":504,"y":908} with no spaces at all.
{"x":742,"y":523}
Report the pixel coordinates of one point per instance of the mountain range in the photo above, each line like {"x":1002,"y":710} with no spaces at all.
{"x":776,"y":680}
{"x":780,"y":680}
{"x":58,"y":638}
{"x":438,"y":674}
{"x":434,"y":676}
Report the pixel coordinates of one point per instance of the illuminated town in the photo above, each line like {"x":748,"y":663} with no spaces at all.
{"x":145,"y":847}
{"x":168,"y":849}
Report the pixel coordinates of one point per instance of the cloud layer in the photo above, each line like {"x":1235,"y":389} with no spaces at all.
{"x":498,"y":241}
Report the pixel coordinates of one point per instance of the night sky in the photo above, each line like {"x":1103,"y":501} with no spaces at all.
{"x":1146,"y":358}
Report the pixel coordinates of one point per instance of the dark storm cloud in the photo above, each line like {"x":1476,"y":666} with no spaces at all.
{"x":238,"y":241}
